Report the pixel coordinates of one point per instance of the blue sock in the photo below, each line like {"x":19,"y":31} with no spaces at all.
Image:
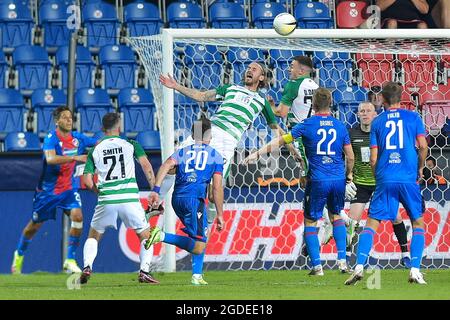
{"x":340,"y":237}
{"x":72,"y":246}
{"x":312,"y":244}
{"x":23,"y":245}
{"x":182,"y":242}
{"x":365,"y":244}
{"x":197,"y":262}
{"x":417,"y":245}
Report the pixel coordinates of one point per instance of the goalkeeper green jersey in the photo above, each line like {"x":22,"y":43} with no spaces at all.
{"x":362,"y":172}
{"x":239,"y":109}
{"x":297,"y":95}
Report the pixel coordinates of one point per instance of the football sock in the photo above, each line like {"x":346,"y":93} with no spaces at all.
{"x":400,"y":233}
{"x":365,"y":244}
{"x":340,"y":237}
{"x":417,"y":245}
{"x":182,"y":242}
{"x":145,"y":257}
{"x":312,"y":244}
{"x":197,"y":263}
{"x":74,"y":242}
{"x":23,"y":245}
{"x":167,"y":183}
{"x":89,"y":252}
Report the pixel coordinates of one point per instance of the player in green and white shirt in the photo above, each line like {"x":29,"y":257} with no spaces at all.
{"x":118,"y":194}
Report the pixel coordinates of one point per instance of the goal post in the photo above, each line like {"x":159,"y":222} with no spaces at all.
{"x":417,"y":58}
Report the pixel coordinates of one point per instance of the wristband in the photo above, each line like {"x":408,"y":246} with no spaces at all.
{"x":156,"y":189}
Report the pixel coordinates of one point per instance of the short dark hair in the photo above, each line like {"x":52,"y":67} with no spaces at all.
{"x":110,"y":120}
{"x":57,"y":112}
{"x":392,"y":93}
{"x":201,"y":129}
{"x":321,"y":99}
{"x":304,"y":61}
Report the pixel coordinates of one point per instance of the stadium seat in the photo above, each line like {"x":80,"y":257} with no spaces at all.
{"x":185,"y":15}
{"x":312,"y":15}
{"x":264,"y":13}
{"x":16,"y":25}
{"x":240,"y":58}
{"x":350,"y":14}
{"x":22,"y":141}
{"x":149,"y":140}
{"x":205,"y":66}
{"x":417,"y":71}
{"x":84,"y":67}
{"x":12,"y":110}
{"x":53,"y":17}
{"x":375,"y":69}
{"x":43,"y":102}
{"x":92,"y":105}
{"x":186,"y":111}
{"x":3,"y":71}
{"x":227,"y":16}
{"x":142,"y":19}
{"x":118,"y":67}
{"x":346,"y":101}
{"x":101,"y":24}
{"x":138,"y":110}
{"x":439,"y":94}
{"x":334,"y":68}
{"x":33,"y":69}
{"x":280,"y":61}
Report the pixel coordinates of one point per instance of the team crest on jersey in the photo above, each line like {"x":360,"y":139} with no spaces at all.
{"x":75,"y":142}
{"x":35,"y":216}
{"x":395,"y":157}
{"x":326,"y":160}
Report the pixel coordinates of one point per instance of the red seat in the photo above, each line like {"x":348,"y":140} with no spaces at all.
{"x":418,"y":71}
{"x":435,"y":116}
{"x":376,"y":68}
{"x":350,"y":14}
{"x":439,"y":94}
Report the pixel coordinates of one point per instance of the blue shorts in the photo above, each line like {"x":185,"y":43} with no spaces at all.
{"x":387,"y":196}
{"x":192,"y":212}
{"x":321,"y":193}
{"x":45,"y":204}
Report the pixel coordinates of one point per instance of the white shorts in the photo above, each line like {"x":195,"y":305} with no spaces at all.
{"x":223,"y":142}
{"x":131,"y":213}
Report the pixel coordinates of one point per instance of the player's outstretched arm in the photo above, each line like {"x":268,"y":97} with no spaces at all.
{"x":148,"y":170}
{"x":218,"y":199}
{"x":169,"y":82}
{"x":53,"y":159}
{"x":168,"y":165}
{"x":273,"y":145}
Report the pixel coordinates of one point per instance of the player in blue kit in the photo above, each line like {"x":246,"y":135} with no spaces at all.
{"x":195,"y":166}
{"x":62,"y":149}
{"x":326,"y":140}
{"x":393,"y":157}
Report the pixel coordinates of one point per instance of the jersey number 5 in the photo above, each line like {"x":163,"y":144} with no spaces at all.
{"x":113,"y":165}
{"x":323,"y":133}
{"x":200,"y":159}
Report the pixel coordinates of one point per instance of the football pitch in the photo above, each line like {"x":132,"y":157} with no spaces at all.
{"x":225,"y":285}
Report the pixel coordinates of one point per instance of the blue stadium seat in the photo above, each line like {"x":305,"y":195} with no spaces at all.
{"x":43,"y":102}
{"x":12,"y":110}
{"x":53,"y":18}
{"x":280,"y":61}
{"x":346,"y":101}
{"x":22,"y":141}
{"x":312,"y":15}
{"x":149,"y":140}
{"x":33,"y":68}
{"x":185,"y":15}
{"x":84,"y":67}
{"x":205,"y":66}
{"x":15,"y":25}
{"x":92,"y":105}
{"x":334,"y":68}
{"x":3,"y":70}
{"x":100,"y":21}
{"x":119,"y":66}
{"x":240,"y":58}
{"x":138,"y":110}
{"x":142,"y":19}
{"x":227,"y":16}
{"x":264,"y":13}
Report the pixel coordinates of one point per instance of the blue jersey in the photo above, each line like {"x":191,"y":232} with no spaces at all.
{"x":324,"y":138}
{"x":196,"y":165}
{"x":394,"y":133}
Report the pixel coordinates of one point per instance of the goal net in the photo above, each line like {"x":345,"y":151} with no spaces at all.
{"x":263,"y":210}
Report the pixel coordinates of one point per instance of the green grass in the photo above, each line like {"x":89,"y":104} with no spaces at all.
{"x":223,"y":285}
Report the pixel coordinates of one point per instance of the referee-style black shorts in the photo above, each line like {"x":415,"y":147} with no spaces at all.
{"x":363,"y":193}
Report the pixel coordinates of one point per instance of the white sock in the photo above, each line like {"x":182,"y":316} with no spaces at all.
{"x":145,"y":256}
{"x":196,"y":275}
{"x":359,"y":268}
{"x":167,"y":183}
{"x":89,"y":252}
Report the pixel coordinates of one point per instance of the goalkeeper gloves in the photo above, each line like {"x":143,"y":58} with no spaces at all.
{"x":350,"y":191}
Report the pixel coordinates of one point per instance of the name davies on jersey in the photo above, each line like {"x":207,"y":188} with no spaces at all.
{"x":109,"y":152}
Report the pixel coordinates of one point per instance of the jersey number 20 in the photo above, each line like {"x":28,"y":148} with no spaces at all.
{"x":200,"y":159}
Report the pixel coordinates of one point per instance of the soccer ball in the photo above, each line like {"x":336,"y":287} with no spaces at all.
{"x":284,"y":23}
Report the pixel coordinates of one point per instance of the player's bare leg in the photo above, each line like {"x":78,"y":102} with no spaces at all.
{"x":89,"y":254}
{"x":27,"y":235}
{"x":417,"y":246}
{"x":76,"y":228}
{"x":355,"y":214}
{"x":145,"y":257}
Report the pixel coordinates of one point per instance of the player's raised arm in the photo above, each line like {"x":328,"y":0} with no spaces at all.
{"x":168,"y":165}
{"x":53,"y":159}
{"x":280,"y":111}
{"x":273,"y":145}
{"x":198,"y":95}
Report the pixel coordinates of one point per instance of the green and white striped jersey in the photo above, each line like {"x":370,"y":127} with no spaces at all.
{"x":113,"y":159}
{"x":240,"y":107}
{"x":297,"y":95}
